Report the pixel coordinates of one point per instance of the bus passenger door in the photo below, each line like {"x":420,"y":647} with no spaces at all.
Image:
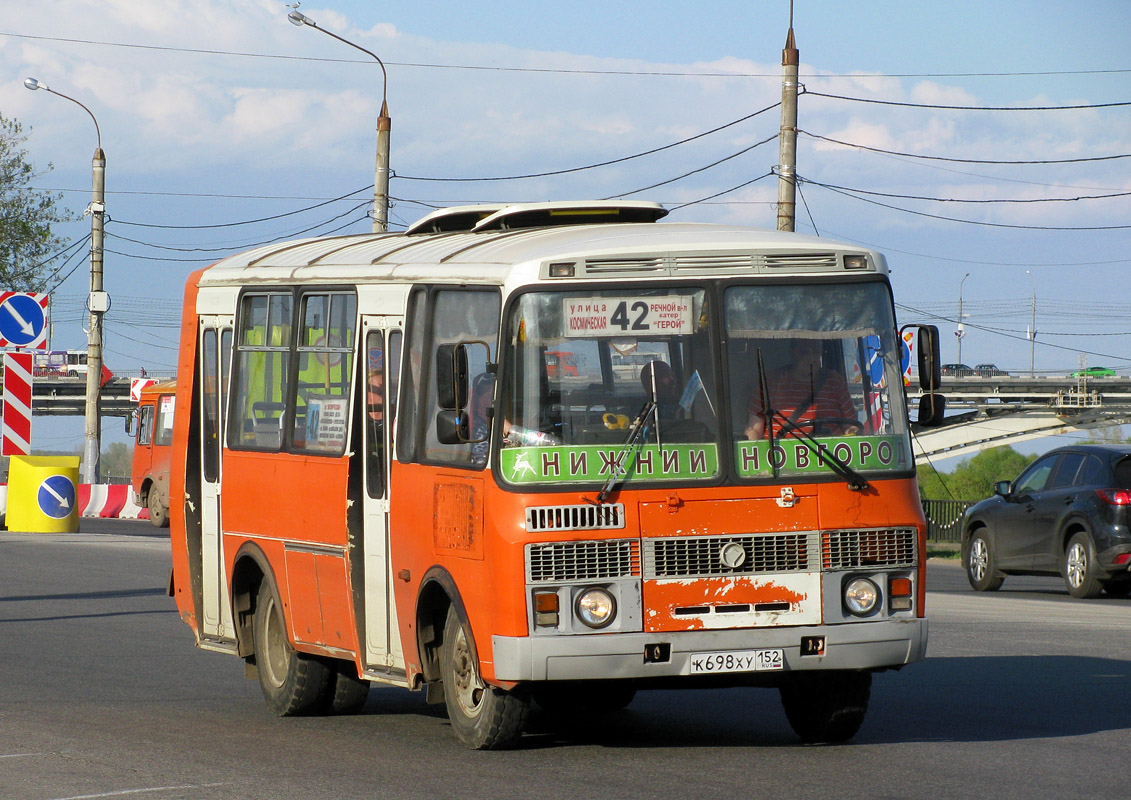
{"x":381,"y":363}
{"x":215,"y":357}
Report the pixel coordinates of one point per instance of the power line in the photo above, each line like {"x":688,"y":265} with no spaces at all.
{"x":242,"y":222}
{"x":963,"y":160}
{"x":970,"y":221}
{"x":743,"y":151}
{"x":561,"y":71}
{"x":720,"y":194}
{"x":602,"y":163}
{"x":966,"y":108}
{"x":976,"y":201}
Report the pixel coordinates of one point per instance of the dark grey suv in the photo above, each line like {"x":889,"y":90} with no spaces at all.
{"x":1067,"y":513}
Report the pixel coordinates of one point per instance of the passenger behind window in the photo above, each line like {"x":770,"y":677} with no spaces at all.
{"x":661,"y":384}
{"x":804,"y":396}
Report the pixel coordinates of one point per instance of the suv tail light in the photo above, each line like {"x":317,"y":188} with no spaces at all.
{"x":1115,"y":497}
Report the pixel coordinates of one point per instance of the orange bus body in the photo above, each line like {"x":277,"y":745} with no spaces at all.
{"x":464,"y":553}
{"x":153,"y":449}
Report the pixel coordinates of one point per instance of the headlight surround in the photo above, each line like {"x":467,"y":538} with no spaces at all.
{"x":861,"y":596}
{"x":595,"y":607}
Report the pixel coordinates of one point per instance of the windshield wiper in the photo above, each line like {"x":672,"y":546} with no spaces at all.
{"x":855,"y":481}
{"x":634,"y":439}
{"x":767,"y":410}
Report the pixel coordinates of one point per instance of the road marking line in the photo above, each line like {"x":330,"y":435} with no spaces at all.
{"x":140,"y":791}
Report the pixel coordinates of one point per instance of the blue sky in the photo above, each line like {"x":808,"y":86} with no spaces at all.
{"x":273,"y":119}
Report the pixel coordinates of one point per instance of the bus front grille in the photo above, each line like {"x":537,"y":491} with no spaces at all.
{"x":750,"y":554}
{"x":560,"y":562}
{"x":584,"y":517}
{"x":868,"y":548}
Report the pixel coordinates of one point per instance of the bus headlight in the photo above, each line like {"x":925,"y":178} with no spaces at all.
{"x":861,"y":596}
{"x":595,"y":607}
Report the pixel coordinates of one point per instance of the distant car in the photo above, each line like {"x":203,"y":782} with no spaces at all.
{"x":1068,"y":513}
{"x":1094,"y":372}
{"x":957,"y":370}
{"x":990,"y":371}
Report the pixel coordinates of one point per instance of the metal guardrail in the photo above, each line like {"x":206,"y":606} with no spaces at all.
{"x":944,"y":519}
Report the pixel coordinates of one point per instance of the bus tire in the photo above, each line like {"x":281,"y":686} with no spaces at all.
{"x":826,"y":707}
{"x":158,"y":512}
{"x":484,"y":717}
{"x":293,"y":683}
{"x":570,"y":698}
{"x":346,"y":693}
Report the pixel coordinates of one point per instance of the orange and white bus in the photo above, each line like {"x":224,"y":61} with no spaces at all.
{"x":378,"y":478}
{"x":153,"y":447}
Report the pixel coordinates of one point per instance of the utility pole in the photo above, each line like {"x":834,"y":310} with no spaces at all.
{"x":98,"y":304}
{"x":1032,"y":323}
{"x":787,"y":138}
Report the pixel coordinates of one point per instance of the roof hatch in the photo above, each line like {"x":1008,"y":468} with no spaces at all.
{"x":536,"y":215}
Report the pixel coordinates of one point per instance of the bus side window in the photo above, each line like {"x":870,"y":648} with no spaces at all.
{"x":460,"y":316}
{"x":262,"y":371}
{"x":145,"y":425}
{"x":375,"y":413}
{"x":323,"y":370}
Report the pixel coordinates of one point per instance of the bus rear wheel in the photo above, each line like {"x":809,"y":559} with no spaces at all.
{"x":293,"y":683}
{"x":483,"y":716}
{"x":826,"y":707}
{"x":346,"y":693}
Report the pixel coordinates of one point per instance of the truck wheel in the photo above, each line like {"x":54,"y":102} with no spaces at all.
{"x":158,"y":512}
{"x":483,"y":716}
{"x":293,"y":683}
{"x":346,"y":693}
{"x":826,"y":706}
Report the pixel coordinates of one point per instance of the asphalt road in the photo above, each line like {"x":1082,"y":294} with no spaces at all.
{"x":103,"y":695}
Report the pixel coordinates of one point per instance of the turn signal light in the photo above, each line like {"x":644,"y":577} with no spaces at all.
{"x":1115,"y":497}
{"x":899,"y":594}
{"x":546,"y":609}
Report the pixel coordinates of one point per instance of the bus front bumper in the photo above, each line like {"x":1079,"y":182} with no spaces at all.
{"x":859,"y":645}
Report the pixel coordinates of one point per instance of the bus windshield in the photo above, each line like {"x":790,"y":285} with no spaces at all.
{"x":624,"y":349}
{"x":814,"y":369}
{"x":642,"y":395}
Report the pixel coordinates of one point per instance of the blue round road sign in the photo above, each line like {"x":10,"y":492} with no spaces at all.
{"x":56,"y":496}
{"x":21,"y":319}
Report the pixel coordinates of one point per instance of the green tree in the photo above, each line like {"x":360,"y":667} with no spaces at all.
{"x":973,"y":478}
{"x":26,"y":216}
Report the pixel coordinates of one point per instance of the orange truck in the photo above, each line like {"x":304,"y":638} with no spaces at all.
{"x":376,"y":478}
{"x":153,"y":447}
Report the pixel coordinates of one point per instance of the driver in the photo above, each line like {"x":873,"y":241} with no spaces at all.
{"x":812,"y":397}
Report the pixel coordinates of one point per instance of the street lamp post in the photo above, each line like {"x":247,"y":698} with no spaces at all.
{"x":961,"y":332}
{"x":384,"y":127}
{"x":97,"y":301}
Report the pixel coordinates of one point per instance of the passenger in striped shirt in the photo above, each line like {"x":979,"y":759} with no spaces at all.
{"x":819,"y":392}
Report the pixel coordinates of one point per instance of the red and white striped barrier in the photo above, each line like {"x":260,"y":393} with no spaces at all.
{"x":107,"y":501}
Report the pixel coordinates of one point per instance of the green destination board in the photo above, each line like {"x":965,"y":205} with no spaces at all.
{"x":792,"y":456}
{"x":594,"y":463}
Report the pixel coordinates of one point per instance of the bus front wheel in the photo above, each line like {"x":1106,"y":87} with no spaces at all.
{"x":158,"y":513}
{"x":293,"y":683}
{"x":826,"y":706}
{"x":483,"y":716}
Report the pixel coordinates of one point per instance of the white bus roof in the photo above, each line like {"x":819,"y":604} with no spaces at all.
{"x":492,"y":254}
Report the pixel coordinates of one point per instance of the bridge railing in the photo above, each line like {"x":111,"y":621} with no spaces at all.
{"x":944,"y":519}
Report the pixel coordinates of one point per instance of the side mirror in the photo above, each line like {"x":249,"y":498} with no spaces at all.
{"x":451,"y":376}
{"x":931,"y":409}
{"x":452,"y":426}
{"x":930,"y":360}
{"x":131,"y":420}
{"x":1001,"y":488}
